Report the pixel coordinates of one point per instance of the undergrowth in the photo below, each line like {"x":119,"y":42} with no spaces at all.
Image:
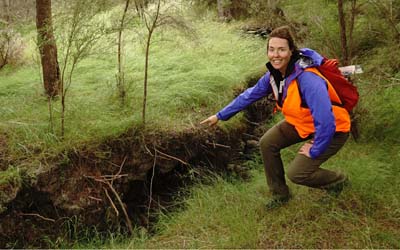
{"x":231,"y":214}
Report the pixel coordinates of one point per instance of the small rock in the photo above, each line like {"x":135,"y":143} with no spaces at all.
{"x":252,"y":144}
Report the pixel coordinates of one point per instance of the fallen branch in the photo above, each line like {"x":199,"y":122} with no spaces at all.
{"x":111,"y":202}
{"x":217,"y":145}
{"x":111,"y":177}
{"x":94,"y":198}
{"x":104,"y":180}
{"x":148,"y":150}
{"x":128,"y":221}
{"x":170,"y":156}
{"x":151,"y":184}
{"x":105,"y":177}
{"x":37,"y":215}
{"x":120,"y":167}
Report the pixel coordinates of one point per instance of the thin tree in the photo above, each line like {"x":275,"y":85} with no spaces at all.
{"x":151,"y":25}
{"x":120,"y":76}
{"x":152,"y":21}
{"x":11,"y":44}
{"x":80,"y":37}
{"x":342,"y":30}
{"x":47,"y":48}
{"x":353,"y":12}
{"x":385,"y":11}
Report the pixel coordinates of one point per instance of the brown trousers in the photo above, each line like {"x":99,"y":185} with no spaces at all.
{"x":302,"y":170}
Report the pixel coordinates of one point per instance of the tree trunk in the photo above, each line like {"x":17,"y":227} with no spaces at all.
{"x":146,"y":69}
{"x":47,"y":47}
{"x":354,"y":12}
{"x":150,"y":28}
{"x":6,"y":13}
{"x":120,"y":77}
{"x":224,"y":11}
{"x":343,"y":40}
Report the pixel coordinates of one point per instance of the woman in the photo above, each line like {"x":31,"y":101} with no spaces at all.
{"x":305,"y":98}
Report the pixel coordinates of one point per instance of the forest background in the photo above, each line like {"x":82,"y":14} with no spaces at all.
{"x":96,"y":104}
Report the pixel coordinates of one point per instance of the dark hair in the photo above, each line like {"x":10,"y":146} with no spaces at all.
{"x":284,"y":33}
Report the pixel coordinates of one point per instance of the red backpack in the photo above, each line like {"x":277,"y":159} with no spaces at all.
{"x":346,"y":91}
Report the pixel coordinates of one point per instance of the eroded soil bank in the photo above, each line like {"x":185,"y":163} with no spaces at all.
{"x":119,"y":183}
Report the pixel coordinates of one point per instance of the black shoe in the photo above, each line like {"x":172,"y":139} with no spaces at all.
{"x":277,"y":201}
{"x":336,"y":188}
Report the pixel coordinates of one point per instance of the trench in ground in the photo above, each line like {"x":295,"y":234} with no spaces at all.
{"x":125,"y":182}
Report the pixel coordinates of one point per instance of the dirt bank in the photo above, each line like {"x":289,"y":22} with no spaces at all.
{"x":115,"y":185}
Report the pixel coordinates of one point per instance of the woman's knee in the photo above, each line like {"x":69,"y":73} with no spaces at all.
{"x":271,"y":139}
{"x":298,"y":175}
{"x":267,"y":143}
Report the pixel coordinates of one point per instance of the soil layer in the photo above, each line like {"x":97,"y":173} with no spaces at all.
{"x":120,"y":183}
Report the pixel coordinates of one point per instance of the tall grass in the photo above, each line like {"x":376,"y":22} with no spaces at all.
{"x":232,"y":214}
{"x":188,"y":80}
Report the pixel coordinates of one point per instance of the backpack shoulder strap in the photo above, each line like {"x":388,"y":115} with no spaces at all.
{"x":335,"y":99}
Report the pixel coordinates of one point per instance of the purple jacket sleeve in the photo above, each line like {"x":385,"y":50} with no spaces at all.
{"x":315,"y":92}
{"x":261,"y":89}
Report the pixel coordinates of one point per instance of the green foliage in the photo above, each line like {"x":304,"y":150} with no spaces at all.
{"x":184,"y":87}
{"x":11,"y":47}
{"x":11,"y":175}
{"x":10,"y":184}
{"x":373,"y":27}
{"x":266,"y":14}
{"x":379,"y":111}
{"x":232,"y":214}
{"x":366,"y":215}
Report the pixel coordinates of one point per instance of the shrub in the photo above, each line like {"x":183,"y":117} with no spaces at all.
{"x":11,"y":47}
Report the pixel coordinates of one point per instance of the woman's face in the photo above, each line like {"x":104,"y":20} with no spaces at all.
{"x":279,"y":53}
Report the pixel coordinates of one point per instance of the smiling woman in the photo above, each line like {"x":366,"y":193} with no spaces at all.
{"x":304,"y":97}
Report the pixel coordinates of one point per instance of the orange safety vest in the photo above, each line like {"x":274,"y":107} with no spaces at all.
{"x":302,"y":119}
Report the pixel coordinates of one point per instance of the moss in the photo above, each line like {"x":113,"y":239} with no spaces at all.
{"x":10,"y":184}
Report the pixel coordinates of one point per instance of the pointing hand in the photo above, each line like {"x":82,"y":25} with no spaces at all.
{"x":211,"y":121}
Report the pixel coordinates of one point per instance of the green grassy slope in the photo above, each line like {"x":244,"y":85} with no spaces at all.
{"x":187,"y":85}
{"x":188,"y":80}
{"x":231,"y":214}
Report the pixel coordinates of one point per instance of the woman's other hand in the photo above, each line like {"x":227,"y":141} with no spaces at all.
{"x":305,"y":149}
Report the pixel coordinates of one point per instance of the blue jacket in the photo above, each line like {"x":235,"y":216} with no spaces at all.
{"x":313,"y":90}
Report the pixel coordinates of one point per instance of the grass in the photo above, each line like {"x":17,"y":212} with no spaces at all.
{"x":10,"y":182}
{"x":226,"y":213}
{"x":190,"y":79}
{"x":184,"y":87}
{"x":230,"y":214}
